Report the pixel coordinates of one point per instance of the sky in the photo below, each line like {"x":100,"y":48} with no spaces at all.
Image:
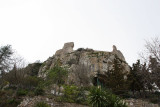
{"x":37,"y":28}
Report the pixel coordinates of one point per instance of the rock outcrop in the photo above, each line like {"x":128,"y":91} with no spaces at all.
{"x":67,"y":48}
{"x":83,"y":64}
{"x":31,"y":102}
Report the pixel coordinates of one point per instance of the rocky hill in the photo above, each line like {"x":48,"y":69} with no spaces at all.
{"x":83,"y":64}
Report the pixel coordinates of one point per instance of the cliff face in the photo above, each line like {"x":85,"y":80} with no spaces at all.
{"x":83,"y":64}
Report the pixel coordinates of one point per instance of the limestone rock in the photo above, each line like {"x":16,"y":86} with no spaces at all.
{"x":67,"y":48}
{"x":118,"y":53}
{"x":95,"y":61}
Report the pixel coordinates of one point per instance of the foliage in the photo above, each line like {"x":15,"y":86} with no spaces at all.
{"x":151,"y":56}
{"x":5,"y":58}
{"x":70,"y":93}
{"x":82,"y":95}
{"x":31,"y":81}
{"x":18,"y":77}
{"x":115,"y":78}
{"x":154,"y":100}
{"x":140,"y":78}
{"x":114,"y":101}
{"x":33,"y":69}
{"x":99,"y":97}
{"x":73,"y":94}
{"x":154,"y":66}
{"x":41,"y":104}
{"x":21,"y":92}
{"x":57,"y":75}
{"x":39,"y":91}
{"x":7,"y":99}
{"x":134,"y":78}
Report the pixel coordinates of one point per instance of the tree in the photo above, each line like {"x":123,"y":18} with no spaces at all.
{"x":152,"y":58}
{"x":139,"y":78}
{"x":5,"y":58}
{"x":135,"y":77}
{"x":154,"y":67}
{"x":153,"y":48}
{"x":115,"y":78}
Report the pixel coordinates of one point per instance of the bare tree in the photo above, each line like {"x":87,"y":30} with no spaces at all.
{"x":151,"y":56}
{"x":16,"y":75}
{"x":152,"y":49}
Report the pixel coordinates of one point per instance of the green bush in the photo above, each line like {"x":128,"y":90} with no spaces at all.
{"x":114,"y":101}
{"x":12,"y":101}
{"x":70,"y":93}
{"x":73,"y":94}
{"x":31,"y":81}
{"x":154,"y":100}
{"x":39,"y":91}
{"x":21,"y":92}
{"x":41,"y":104}
{"x":99,"y":97}
{"x":81,"y":97}
{"x":57,"y":75}
{"x":31,"y":93}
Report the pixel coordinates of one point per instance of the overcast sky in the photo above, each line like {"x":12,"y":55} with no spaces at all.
{"x":37,"y":28}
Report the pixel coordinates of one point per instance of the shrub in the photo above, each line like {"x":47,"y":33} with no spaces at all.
{"x":11,"y":101}
{"x":114,"y":101}
{"x":81,"y":97}
{"x":31,"y":93}
{"x":39,"y":91}
{"x":21,"y":92}
{"x":57,"y":75}
{"x":73,"y":94}
{"x":154,"y":100}
{"x":31,"y":81}
{"x":70,"y":93}
{"x":41,"y":104}
{"x":99,"y":97}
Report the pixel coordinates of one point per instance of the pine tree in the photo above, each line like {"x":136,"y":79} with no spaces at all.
{"x":116,"y":77}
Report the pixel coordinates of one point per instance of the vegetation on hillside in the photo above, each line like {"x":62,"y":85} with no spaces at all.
{"x":143,"y":81}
